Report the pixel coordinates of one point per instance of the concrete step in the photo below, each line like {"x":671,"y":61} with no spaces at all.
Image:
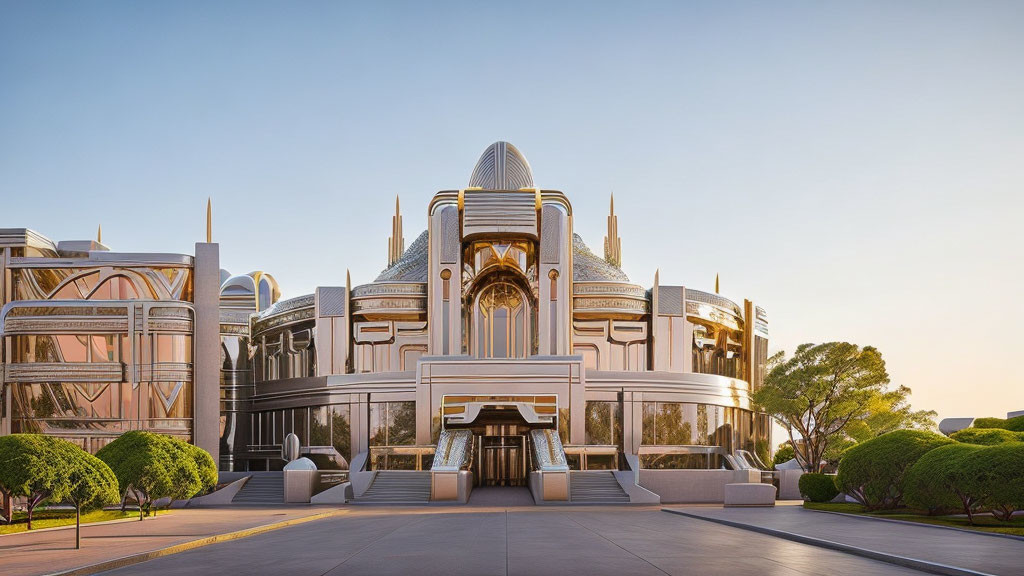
{"x":596,"y":487}
{"x":262,"y":489}
{"x":397,"y":487}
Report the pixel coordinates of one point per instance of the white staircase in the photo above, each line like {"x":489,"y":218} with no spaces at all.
{"x":595,"y":487}
{"x":397,"y":487}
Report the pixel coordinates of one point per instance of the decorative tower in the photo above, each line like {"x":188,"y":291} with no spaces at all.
{"x":396,"y":243}
{"x":209,"y":220}
{"x":612,"y":242}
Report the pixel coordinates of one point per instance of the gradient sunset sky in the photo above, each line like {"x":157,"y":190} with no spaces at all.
{"x":857,"y":169}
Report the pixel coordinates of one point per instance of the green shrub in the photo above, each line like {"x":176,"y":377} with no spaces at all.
{"x":872,"y":471}
{"x":785,"y":453}
{"x":1015,"y":424}
{"x":818,"y":487}
{"x":205,"y":466}
{"x":937,"y":482}
{"x":996,"y":475}
{"x":986,"y":436}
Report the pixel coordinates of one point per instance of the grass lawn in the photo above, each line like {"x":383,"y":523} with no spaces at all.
{"x":982,"y":523}
{"x":53,"y":518}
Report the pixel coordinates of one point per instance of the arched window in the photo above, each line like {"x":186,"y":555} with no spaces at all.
{"x":502,"y":313}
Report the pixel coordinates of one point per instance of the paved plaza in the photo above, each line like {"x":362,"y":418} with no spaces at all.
{"x":522,"y":541}
{"x":972,"y":551}
{"x":51,"y":551}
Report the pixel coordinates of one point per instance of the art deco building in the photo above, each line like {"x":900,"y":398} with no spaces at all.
{"x":496,"y":336}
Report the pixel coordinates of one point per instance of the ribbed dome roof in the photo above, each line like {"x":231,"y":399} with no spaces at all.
{"x":502,"y":167}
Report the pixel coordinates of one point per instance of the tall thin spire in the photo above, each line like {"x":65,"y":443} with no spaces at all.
{"x":99,"y":234}
{"x":612,"y":242}
{"x":396,"y":242}
{"x":209,"y":220}
{"x":716,"y":284}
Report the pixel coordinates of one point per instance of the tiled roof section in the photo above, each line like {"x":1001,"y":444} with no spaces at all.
{"x":412,"y":266}
{"x":589,"y":267}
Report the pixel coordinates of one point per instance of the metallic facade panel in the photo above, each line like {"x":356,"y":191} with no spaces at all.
{"x":502,"y":167}
{"x":332,"y":301}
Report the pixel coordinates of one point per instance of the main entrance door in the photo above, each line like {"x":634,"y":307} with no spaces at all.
{"x":502,"y":458}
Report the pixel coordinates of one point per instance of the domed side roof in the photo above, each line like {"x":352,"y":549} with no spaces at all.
{"x":412,"y":266}
{"x":589,"y":267}
{"x":502,"y":167}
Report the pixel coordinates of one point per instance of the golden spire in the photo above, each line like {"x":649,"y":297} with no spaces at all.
{"x":716,"y":284}
{"x":612,"y":242}
{"x":99,"y":234}
{"x":209,"y":220}
{"x":396,"y":243}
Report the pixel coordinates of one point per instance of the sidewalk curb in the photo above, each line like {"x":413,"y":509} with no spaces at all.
{"x":908,"y":522}
{"x":921,"y":565}
{"x":185,"y":546}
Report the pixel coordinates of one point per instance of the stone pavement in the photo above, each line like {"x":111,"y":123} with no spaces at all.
{"x":977,"y":552}
{"x":593,"y":541}
{"x":32,"y":553}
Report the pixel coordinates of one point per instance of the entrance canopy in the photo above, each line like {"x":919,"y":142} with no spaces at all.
{"x":464,"y":410}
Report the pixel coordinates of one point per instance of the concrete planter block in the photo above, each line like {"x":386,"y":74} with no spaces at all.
{"x":749,"y":495}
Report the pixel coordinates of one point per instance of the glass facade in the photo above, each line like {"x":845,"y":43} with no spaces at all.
{"x":717,"y":349}
{"x":710,"y":431}
{"x":604,"y":423}
{"x":319,"y":429}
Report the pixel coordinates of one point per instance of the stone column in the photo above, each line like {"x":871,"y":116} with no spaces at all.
{"x":206,"y":344}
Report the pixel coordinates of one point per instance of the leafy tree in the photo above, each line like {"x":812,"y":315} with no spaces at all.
{"x":986,"y":436}
{"x":996,"y":475}
{"x":31,"y":466}
{"x":938,"y":481}
{"x":90,"y":484}
{"x":785,"y":453}
{"x":873,"y":472}
{"x":888,"y":411}
{"x":830,"y":392}
{"x":151,"y":466}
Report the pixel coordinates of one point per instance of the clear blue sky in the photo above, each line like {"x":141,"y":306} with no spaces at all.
{"x":856,"y":168}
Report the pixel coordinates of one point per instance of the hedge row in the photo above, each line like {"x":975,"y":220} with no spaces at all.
{"x":970,"y":479}
{"x":931,"y":473}
{"x":987,"y":436}
{"x":1015,"y":424}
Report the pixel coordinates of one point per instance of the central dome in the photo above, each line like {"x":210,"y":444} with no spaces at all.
{"x":502,"y":167}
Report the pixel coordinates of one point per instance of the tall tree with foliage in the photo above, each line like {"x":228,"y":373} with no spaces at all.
{"x":31,"y":466}
{"x":834,"y":394}
{"x":90,"y":484}
{"x":151,"y":466}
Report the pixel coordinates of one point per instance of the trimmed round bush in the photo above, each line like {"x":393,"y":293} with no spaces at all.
{"x":996,"y":474}
{"x":1015,"y":424}
{"x":872,"y":471}
{"x":987,"y":436}
{"x":937,"y":482}
{"x":818,"y":487}
{"x":205,"y":466}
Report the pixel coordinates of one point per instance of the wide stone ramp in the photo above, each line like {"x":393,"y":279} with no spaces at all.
{"x":397,"y":487}
{"x":595,"y":487}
